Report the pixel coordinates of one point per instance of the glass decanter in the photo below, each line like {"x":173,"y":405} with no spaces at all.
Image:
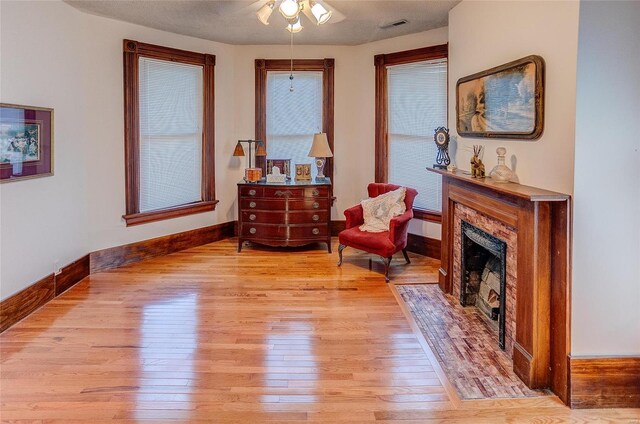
{"x":501,"y":172}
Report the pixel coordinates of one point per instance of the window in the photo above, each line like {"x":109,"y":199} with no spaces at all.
{"x":169,"y":145}
{"x":287,"y":120}
{"x":411,"y":102}
{"x":293,"y":117}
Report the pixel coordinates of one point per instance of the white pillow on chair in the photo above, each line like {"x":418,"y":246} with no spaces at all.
{"x":378,"y":211}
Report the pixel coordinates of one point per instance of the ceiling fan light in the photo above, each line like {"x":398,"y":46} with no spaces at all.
{"x":319,"y":12}
{"x":289,"y":8}
{"x":265,"y":11}
{"x":294,"y":27}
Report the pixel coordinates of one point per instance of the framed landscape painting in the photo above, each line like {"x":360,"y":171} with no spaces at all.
{"x":503,"y":102}
{"x":26,"y":142}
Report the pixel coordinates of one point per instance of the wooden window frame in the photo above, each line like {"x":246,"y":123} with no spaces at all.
{"x":132,"y":52}
{"x":381,"y":62}
{"x":326,"y":66}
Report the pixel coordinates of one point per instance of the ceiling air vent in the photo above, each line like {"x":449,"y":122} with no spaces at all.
{"x":394,"y":24}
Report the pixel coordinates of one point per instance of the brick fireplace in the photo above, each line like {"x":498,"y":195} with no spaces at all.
{"x":480,"y":266}
{"x":529,"y":228}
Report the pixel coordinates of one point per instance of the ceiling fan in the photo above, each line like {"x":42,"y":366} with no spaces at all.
{"x":315,"y":11}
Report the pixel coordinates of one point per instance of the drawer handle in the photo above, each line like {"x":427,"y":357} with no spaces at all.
{"x":252,"y":217}
{"x":315,"y":192}
{"x":252,"y":230}
{"x":285,"y":193}
{"x":252,"y":204}
{"x":252,"y":192}
{"x":316,"y":205}
{"x":315,"y":231}
{"x":315,"y":217}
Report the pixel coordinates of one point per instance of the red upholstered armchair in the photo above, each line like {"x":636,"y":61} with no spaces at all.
{"x":385,"y":243}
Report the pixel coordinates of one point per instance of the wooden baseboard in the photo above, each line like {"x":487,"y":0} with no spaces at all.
{"x":605,"y":382}
{"x":337,"y":226}
{"x":71,"y":274}
{"x":423,"y":246}
{"x":23,"y":303}
{"x":118,"y":256}
{"x":27,"y":301}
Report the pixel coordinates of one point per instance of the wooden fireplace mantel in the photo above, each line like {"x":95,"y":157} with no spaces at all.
{"x":541,"y":220}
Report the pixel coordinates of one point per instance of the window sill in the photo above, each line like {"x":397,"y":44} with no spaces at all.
{"x":425,"y":215}
{"x":169,"y":213}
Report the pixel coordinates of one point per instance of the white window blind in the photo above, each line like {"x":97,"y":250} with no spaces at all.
{"x":293,"y":117}
{"x":171,"y":97}
{"x":417,"y":96}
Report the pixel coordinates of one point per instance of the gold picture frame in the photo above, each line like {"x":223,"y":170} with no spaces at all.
{"x":303,"y":172}
{"x":503,"y":102}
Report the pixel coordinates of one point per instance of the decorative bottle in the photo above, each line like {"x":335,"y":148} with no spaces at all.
{"x":501,"y":172}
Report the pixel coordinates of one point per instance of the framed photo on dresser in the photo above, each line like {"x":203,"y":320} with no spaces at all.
{"x":283,"y":164}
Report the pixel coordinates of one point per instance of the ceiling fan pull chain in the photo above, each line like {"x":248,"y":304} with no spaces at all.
{"x":291,"y":74}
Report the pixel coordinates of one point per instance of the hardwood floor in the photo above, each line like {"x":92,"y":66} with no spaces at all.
{"x":212,"y":335}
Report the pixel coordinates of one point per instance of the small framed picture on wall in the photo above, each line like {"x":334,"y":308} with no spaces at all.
{"x":26,"y":142}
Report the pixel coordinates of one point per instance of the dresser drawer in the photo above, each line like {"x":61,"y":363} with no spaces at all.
{"x":308,"y":231}
{"x":265,"y":204}
{"x":263,"y":217}
{"x":316,"y":192}
{"x":308,"y":204}
{"x":283,"y":192}
{"x":251,"y":191}
{"x":251,"y":230}
{"x":307,"y":217}
{"x":292,"y":193}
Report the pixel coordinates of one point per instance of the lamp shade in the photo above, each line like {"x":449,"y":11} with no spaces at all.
{"x":319,"y":12}
{"x":238,"y":151}
{"x":265,"y":11}
{"x":320,"y":147}
{"x":260,"y":150}
{"x":295,"y":26}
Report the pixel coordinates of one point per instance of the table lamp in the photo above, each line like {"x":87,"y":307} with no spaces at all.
{"x":251,"y":174}
{"x":320,"y":150}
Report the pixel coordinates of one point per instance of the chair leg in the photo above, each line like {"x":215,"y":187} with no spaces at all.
{"x":387,"y":263}
{"x":406,"y":256}
{"x":341,"y":247}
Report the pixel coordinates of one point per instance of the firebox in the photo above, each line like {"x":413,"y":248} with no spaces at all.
{"x":484,"y":275}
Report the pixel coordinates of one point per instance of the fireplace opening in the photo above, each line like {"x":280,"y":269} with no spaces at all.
{"x":484,"y":276}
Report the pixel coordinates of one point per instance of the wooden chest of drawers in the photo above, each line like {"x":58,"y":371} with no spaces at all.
{"x":290,"y":214}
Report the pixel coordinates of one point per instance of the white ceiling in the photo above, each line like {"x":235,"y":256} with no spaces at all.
{"x":235,"y":22}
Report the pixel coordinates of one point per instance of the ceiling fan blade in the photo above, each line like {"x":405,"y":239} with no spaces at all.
{"x":336,"y":15}
{"x":251,"y":8}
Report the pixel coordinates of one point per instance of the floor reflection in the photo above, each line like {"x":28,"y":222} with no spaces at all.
{"x":290,"y":357}
{"x":169,"y":341}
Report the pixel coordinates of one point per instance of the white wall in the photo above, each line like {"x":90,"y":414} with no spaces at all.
{"x":74,"y":65}
{"x":44,"y":220}
{"x":484,"y":34}
{"x":606,"y":231}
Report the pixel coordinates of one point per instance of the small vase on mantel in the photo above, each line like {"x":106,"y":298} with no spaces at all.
{"x":501,"y":172}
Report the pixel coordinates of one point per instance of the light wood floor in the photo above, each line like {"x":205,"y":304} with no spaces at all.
{"x":211,"y":335}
